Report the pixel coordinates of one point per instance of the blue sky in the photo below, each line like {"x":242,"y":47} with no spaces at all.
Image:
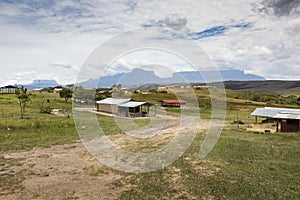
{"x":52,"y":39}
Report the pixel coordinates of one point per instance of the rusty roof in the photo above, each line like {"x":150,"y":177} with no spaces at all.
{"x":174,"y":101}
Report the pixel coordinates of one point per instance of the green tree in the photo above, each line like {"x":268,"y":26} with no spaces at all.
{"x":117,"y":86}
{"x":24,"y":99}
{"x":66,"y":93}
{"x":298,"y":101}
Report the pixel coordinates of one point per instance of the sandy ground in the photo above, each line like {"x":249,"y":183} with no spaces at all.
{"x":261,"y":128}
{"x":64,"y":172}
{"x":71,"y":172}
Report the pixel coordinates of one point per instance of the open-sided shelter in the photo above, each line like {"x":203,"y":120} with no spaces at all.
{"x":9,"y":89}
{"x":134,"y":109}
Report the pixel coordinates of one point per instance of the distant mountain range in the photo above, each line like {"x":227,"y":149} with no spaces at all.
{"x":41,"y":84}
{"x":233,"y":79}
{"x":140,"y":76}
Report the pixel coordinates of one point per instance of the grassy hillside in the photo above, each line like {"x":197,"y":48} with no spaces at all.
{"x":271,"y":87}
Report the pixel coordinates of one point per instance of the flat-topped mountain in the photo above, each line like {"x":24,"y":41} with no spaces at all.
{"x":140,"y":76}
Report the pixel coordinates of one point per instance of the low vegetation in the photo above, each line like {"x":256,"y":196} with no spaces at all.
{"x":36,"y":129}
{"x":270,"y":98}
{"x":242,"y":165}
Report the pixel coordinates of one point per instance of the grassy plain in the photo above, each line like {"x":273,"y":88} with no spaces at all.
{"x":242,"y":165}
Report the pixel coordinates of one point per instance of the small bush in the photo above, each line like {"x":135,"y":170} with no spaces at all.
{"x":163,"y":92}
{"x":46,"y":110}
{"x":238,"y":122}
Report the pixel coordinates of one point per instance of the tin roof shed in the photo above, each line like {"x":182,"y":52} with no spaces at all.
{"x":272,"y":112}
{"x":132,"y":104}
{"x":113,"y":101}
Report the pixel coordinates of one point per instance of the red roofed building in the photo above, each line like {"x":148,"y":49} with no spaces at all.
{"x":173,"y":103}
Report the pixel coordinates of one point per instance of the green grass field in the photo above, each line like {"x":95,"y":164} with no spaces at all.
{"x":37,"y":129}
{"x":242,"y":165}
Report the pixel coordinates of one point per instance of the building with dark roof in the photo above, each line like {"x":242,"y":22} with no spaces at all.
{"x":9,"y":89}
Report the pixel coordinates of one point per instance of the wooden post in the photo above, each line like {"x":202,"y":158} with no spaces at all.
{"x":255,"y":119}
{"x":237,"y":120}
{"x":248,"y":121}
{"x":277,"y":125}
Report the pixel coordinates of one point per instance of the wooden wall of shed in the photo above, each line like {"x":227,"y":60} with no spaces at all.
{"x":286,"y":127}
{"x":107,"y":108}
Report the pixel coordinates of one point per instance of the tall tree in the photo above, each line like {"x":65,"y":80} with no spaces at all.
{"x":24,"y":99}
{"x":66,"y":93}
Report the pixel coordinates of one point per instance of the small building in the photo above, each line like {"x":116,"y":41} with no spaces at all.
{"x":110,"y":105}
{"x":123,"y":107}
{"x":287,"y":120}
{"x":134,"y":109}
{"x":9,"y":89}
{"x":39,"y":90}
{"x":173,"y":103}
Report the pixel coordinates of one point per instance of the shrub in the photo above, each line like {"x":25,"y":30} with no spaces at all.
{"x":46,"y":110}
{"x":238,"y":122}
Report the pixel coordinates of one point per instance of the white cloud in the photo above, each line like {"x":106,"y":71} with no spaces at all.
{"x":64,"y":64}
{"x":35,"y":36}
{"x":173,"y":21}
{"x":279,"y":7}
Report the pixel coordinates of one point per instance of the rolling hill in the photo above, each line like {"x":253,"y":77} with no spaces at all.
{"x":267,"y":86}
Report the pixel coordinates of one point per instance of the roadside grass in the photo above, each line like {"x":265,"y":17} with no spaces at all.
{"x":26,"y":134}
{"x":261,"y":166}
{"x":241,"y":166}
{"x":10,"y":181}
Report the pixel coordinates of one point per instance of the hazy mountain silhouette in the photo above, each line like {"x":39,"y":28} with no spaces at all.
{"x":140,"y":76}
{"x":41,"y":84}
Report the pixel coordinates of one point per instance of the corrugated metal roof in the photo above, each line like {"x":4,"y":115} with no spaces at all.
{"x":174,"y":101}
{"x":287,"y":116}
{"x":132,"y":104}
{"x":113,"y":101}
{"x":263,"y":112}
{"x":287,"y":113}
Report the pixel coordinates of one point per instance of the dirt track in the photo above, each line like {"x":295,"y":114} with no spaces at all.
{"x":64,"y":172}
{"x":70,"y":172}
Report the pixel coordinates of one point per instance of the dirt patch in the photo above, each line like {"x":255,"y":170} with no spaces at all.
{"x":261,"y":128}
{"x":61,"y":112}
{"x":71,"y":172}
{"x":64,"y":172}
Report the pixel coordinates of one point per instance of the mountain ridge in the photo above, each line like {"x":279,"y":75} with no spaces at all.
{"x":140,"y":76}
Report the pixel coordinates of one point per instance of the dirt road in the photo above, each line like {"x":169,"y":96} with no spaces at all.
{"x":70,"y":172}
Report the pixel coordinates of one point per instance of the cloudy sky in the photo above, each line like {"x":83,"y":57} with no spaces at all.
{"x":51,"y":39}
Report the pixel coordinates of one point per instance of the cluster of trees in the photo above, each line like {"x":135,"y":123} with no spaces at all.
{"x":270,"y":98}
{"x":66,"y":93}
{"x":24,"y":98}
{"x":103,"y":93}
{"x":92,"y":95}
